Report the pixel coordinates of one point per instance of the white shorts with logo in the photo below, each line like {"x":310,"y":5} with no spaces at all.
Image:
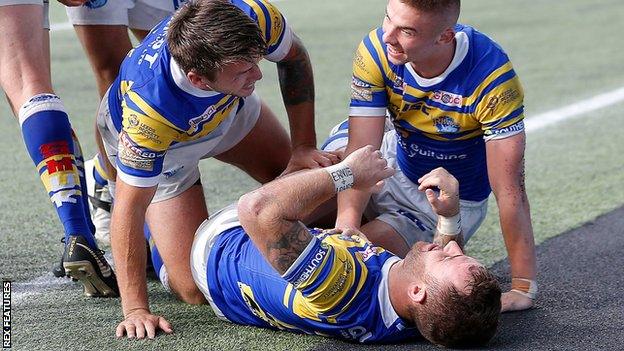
{"x":44,"y":3}
{"x":135,"y":14}
{"x":205,"y":237}
{"x":402,"y":206}
{"x":180,"y":167}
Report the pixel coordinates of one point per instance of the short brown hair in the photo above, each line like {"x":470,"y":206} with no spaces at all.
{"x":433,"y":5}
{"x":205,"y":35}
{"x":450,"y":8}
{"x":452,"y":318}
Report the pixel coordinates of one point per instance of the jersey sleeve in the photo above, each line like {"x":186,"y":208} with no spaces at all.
{"x":273,"y":25}
{"x":143,"y":142}
{"x":500,"y":109}
{"x":327,"y":275}
{"x":368,"y":91}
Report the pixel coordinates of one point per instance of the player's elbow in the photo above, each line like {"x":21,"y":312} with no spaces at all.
{"x":252,"y":207}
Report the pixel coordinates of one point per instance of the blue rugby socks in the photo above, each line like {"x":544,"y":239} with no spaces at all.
{"x":157,"y":262}
{"x":48,"y":137}
{"x":100,"y":174}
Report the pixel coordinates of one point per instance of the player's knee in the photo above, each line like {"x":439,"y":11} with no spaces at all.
{"x":106,"y":73}
{"x":191,"y":295}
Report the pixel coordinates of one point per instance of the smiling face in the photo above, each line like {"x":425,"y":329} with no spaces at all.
{"x":412,"y":35}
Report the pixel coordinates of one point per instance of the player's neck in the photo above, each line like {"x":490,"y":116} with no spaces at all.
{"x":397,"y":287}
{"x":437,"y":63}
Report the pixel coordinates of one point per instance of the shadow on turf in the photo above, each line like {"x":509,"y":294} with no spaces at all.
{"x":580,"y":295}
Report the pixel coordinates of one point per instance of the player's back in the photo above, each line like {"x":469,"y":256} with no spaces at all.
{"x":337,"y":287}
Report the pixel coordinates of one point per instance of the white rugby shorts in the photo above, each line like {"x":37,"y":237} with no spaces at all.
{"x":204,"y":240}
{"x":401,"y":205}
{"x":135,"y":14}
{"x":181,"y":163}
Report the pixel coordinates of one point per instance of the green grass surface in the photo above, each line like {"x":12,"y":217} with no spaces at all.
{"x":563,"y":52}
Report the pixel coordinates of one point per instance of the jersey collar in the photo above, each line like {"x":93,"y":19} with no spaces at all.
{"x":180,"y":79}
{"x":388,"y":314}
{"x":461,"y":50}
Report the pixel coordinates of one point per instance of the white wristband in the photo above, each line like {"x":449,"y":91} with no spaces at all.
{"x":341,"y":175}
{"x":449,"y":225}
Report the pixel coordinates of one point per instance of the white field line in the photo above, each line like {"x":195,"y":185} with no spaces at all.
{"x":57,"y":27}
{"x":37,"y":286}
{"x":576,"y":109}
{"x":27,"y":290}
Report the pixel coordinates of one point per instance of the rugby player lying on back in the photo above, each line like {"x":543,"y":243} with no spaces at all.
{"x":258,"y":264}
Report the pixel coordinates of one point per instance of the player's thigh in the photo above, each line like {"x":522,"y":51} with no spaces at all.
{"x":384,"y":235}
{"x":24,"y":53}
{"x":106,"y":47}
{"x":140,"y":34}
{"x":264,"y":152}
{"x":173,"y":223}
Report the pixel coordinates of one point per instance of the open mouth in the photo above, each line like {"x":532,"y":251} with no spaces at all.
{"x":394,"y":51}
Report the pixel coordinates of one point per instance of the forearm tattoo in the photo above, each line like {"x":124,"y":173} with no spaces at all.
{"x":295,"y":77}
{"x":285,"y":249}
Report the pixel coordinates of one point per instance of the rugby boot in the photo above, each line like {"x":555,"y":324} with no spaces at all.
{"x":90,"y":267}
{"x":57,"y":269}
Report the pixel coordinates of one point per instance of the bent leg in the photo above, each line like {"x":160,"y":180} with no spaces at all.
{"x":24,"y":54}
{"x":25,"y":77}
{"x":383,"y":235}
{"x":106,"y":46}
{"x":173,"y":223}
{"x":264,"y":152}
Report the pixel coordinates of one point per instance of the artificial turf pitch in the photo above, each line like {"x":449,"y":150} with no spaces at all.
{"x":564,"y":52}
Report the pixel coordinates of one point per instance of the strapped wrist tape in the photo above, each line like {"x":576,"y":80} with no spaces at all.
{"x":341,"y":175}
{"x":449,"y":225}
{"x":525,"y":287}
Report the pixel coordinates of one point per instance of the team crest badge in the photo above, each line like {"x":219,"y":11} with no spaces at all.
{"x":446,"y":124}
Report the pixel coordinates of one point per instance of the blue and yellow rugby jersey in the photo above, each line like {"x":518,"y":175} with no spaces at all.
{"x":154,"y":107}
{"x":443,"y":121}
{"x":338,"y":287}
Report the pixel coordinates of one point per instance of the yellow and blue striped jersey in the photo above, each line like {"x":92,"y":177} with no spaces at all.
{"x":153,"y":106}
{"x":442,"y":121}
{"x":338,"y":287}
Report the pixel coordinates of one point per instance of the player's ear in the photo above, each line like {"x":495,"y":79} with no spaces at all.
{"x":447,"y":35}
{"x":196,"y":79}
{"x":417,"y":292}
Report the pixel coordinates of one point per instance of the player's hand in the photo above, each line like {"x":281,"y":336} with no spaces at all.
{"x":141,"y":323}
{"x":446,"y":201}
{"x":347,"y":231}
{"x":514,"y":301}
{"x":73,"y":2}
{"x":308,"y":157}
{"x":369,"y":168}
{"x":443,"y":239}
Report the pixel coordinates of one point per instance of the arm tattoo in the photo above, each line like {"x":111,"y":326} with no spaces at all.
{"x":295,"y":77}
{"x":286,"y":248}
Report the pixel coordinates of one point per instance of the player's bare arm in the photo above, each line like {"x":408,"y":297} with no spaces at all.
{"x":352,"y":202}
{"x":505,"y":160}
{"x":128,"y":245}
{"x":297,"y":85}
{"x":271,"y":215}
{"x":442,"y":191}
